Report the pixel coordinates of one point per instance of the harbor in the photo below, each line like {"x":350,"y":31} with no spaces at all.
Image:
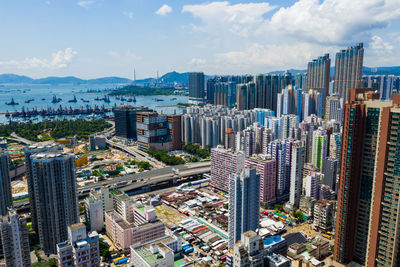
{"x":48,"y":102}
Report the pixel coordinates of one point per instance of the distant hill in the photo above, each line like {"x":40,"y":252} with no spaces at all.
{"x":170,"y":77}
{"x":13,"y":78}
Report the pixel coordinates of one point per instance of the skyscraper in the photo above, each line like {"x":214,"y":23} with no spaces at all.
{"x":318,"y":73}
{"x":383,"y":237}
{"x":55,"y":196}
{"x":28,"y":151}
{"x":296,"y":173}
{"x":244,"y":204}
{"x":5,"y":183}
{"x":363,"y":115}
{"x":319,"y":148}
{"x":196,"y":87}
{"x":348,"y":70}
{"x":15,"y":240}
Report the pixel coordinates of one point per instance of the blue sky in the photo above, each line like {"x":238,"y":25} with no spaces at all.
{"x":95,"y":38}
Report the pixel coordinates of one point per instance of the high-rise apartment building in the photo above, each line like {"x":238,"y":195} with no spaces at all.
{"x":246,"y":96}
{"x":196,"y":87}
{"x":266,"y":167}
{"x":244,"y":204}
{"x":333,"y":108}
{"x":125,"y":120}
{"x":318,"y":74}
{"x":348,"y":70}
{"x":94,"y":213}
{"x":55,"y":196}
{"x":319,"y":148}
{"x":384,"y":223}
{"x":225,"y":162}
{"x":175,"y":131}
{"x":229,"y":139}
{"x":15,"y":240}
{"x":5,"y":183}
{"x":312,"y":185}
{"x":281,"y":151}
{"x":363,"y":119}
{"x":28,"y":151}
{"x":80,"y":249}
{"x":296,"y":173}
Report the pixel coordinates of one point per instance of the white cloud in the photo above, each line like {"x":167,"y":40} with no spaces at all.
{"x":129,"y":14}
{"x":239,"y":19}
{"x":164,"y":10}
{"x":333,"y":21}
{"x":259,"y":36}
{"x":86,"y":3}
{"x":197,"y":62}
{"x":59,"y":60}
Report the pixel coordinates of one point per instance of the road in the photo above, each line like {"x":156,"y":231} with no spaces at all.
{"x":139,"y":155}
{"x":157,"y":175}
{"x":20,"y":139}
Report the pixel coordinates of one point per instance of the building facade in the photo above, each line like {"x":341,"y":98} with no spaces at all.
{"x":348,"y":70}
{"x":55,"y":196}
{"x":125,"y":120}
{"x":5,"y":183}
{"x":244,"y":204}
{"x":15,"y":240}
{"x":224,"y":163}
{"x":80,"y":250}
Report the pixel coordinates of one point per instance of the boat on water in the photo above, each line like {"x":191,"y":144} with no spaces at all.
{"x":55,"y":99}
{"x":130,"y":99}
{"x":123,"y":98}
{"x":97,"y":98}
{"x":134,"y":99}
{"x":12,"y":103}
{"x":106,"y":99}
{"x":29,"y":100}
{"x":73,"y":100}
{"x":172,"y":99}
{"x":43,"y":99}
{"x":85,"y":101}
{"x":158,"y":99}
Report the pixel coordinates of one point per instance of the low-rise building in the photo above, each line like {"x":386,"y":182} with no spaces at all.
{"x":125,"y":234}
{"x":307,"y":205}
{"x":80,"y":250}
{"x":97,"y":142}
{"x":323,"y":215}
{"x":154,"y":255}
{"x":118,"y":229}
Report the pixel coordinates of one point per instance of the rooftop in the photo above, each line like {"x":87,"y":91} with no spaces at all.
{"x":152,"y":258}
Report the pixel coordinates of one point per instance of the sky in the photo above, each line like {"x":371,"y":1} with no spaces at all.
{"x":98,"y":38}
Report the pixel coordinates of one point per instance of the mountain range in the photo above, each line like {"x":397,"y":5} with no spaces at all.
{"x":170,"y":77}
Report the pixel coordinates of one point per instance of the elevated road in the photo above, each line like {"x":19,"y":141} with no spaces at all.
{"x":155,"y":176}
{"x":139,"y":155}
